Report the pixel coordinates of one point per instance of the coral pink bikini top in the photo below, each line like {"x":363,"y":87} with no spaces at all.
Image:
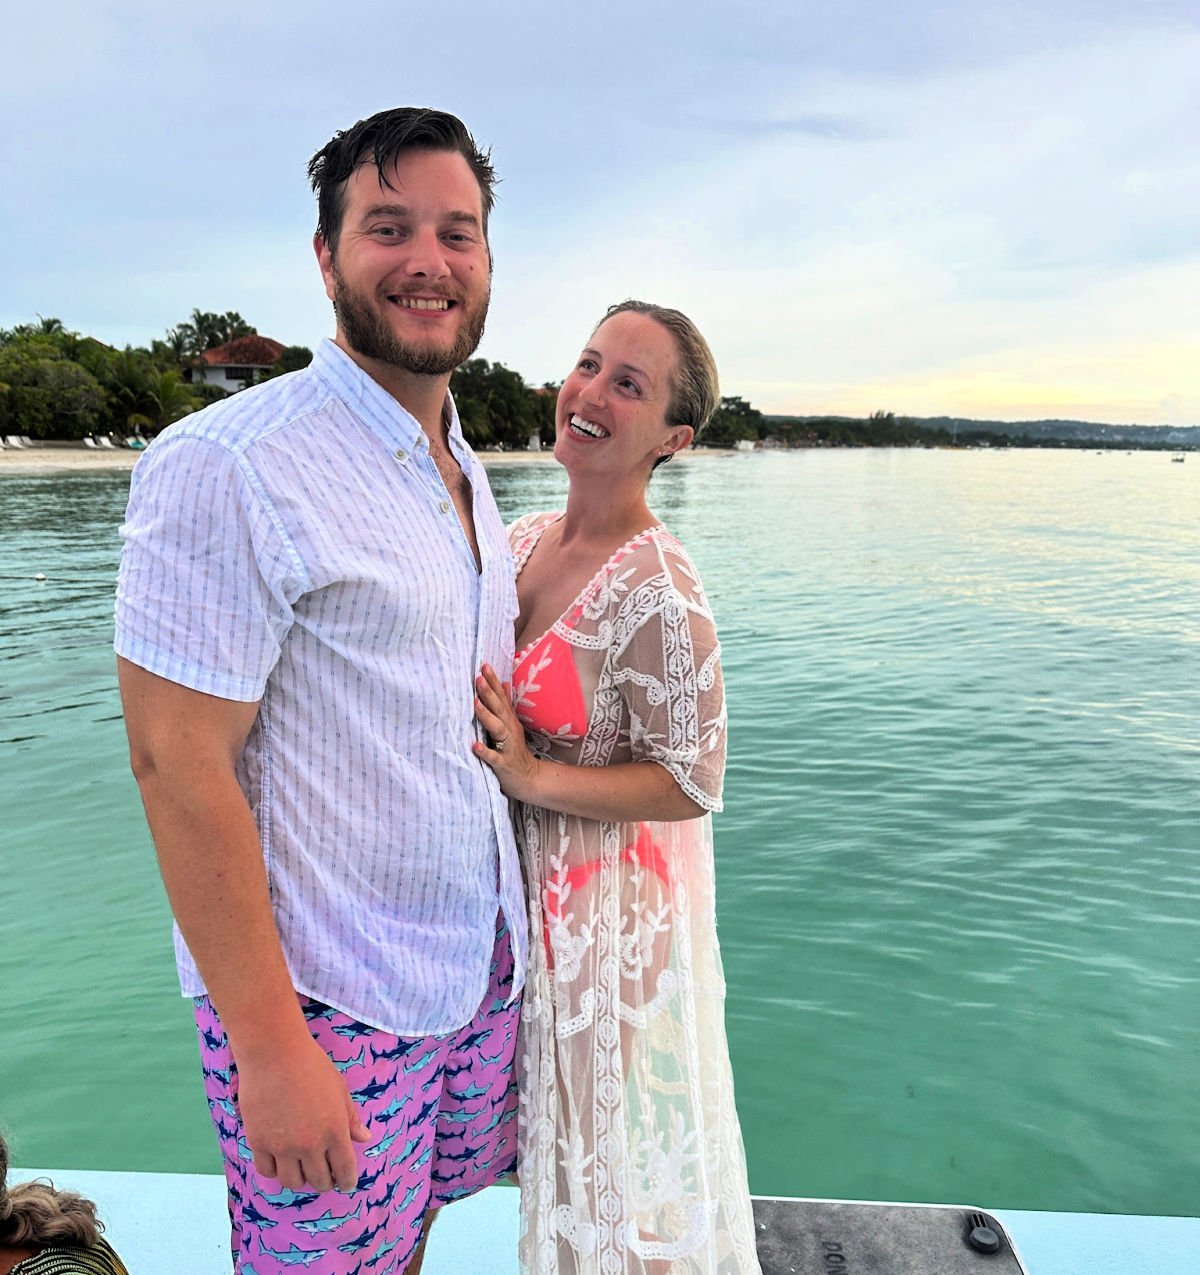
{"x":551,"y":698}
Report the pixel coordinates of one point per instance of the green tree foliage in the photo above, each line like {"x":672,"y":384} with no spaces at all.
{"x":172,"y":352}
{"x":880,"y":429}
{"x":293,"y":358}
{"x":46,"y":394}
{"x":55,"y":383}
{"x":497,"y":408}
{"x":59,"y":384}
{"x":123,"y":373}
{"x":733,"y":421}
{"x":169,"y":398}
{"x":206,"y":330}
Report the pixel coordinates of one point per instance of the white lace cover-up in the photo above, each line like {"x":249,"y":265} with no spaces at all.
{"x":631,"y":1159}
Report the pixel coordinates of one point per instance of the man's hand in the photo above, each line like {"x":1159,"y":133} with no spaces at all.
{"x":300,"y":1120}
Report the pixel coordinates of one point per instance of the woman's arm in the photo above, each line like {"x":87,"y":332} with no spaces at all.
{"x":626,"y":791}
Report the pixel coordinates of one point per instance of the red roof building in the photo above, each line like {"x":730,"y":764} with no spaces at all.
{"x":235,"y":364}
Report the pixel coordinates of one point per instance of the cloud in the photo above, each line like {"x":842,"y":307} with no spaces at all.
{"x":931,"y":200}
{"x":836,"y":128}
{"x":1025,"y":215}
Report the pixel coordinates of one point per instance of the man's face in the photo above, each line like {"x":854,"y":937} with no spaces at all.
{"x":410,"y":277}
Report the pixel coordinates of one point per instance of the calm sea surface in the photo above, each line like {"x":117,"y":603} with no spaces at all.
{"x":959,"y":863}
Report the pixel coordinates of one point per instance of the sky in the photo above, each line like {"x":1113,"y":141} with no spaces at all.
{"x":989,"y":210}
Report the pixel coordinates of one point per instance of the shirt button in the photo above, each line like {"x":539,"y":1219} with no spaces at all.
{"x":401,"y":454}
{"x":444,"y":506}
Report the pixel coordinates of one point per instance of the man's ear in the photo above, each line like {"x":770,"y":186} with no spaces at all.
{"x":325,"y":261}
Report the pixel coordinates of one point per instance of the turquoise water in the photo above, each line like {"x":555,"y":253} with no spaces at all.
{"x":959,"y":865}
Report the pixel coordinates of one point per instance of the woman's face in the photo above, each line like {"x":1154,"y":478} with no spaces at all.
{"x":612,"y":408}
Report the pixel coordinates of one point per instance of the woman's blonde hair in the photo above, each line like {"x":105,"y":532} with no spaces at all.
{"x":37,"y":1213}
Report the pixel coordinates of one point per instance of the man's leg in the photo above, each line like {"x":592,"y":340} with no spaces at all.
{"x":396,"y":1083}
{"x":476,"y":1142}
{"x":418,"y":1258}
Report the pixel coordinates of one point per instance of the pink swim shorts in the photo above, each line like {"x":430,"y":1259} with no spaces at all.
{"x":442,"y":1110}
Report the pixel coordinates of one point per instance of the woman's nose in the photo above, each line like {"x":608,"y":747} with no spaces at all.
{"x":593,"y":392}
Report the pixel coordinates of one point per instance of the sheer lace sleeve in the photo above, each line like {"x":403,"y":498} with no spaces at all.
{"x":666,"y":663}
{"x":523,"y":534}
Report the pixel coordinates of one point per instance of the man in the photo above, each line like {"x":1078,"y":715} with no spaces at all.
{"x":314,"y":571}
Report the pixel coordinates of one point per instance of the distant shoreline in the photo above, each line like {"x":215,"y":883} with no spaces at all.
{"x":64,"y":458}
{"x":67,"y":458}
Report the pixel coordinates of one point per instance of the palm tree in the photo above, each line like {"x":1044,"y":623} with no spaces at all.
{"x":127,"y":381}
{"x":168,"y":398}
{"x":176,"y":347}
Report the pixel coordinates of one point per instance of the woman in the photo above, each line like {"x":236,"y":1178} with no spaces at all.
{"x":630,"y":1154}
{"x":49,"y":1232}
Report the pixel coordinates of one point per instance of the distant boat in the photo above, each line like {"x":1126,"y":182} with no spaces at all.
{"x":1178,"y":460}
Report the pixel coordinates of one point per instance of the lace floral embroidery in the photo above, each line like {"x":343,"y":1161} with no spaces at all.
{"x":631,"y":1159}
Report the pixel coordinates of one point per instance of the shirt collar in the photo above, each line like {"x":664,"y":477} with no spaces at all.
{"x":376,"y":408}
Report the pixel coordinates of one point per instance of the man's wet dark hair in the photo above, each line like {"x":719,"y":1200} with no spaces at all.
{"x":381,"y":140}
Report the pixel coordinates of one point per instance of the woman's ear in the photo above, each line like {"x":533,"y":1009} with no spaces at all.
{"x":677,"y":440}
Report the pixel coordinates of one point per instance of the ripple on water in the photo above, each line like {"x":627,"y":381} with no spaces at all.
{"x":958,"y":864}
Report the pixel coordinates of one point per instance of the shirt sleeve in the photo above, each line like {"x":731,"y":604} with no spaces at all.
{"x":207,"y":579}
{"x":667,"y":667}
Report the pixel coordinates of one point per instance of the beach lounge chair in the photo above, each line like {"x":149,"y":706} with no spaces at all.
{"x":13,"y":441}
{"x":90,"y":443}
{"x":103,"y":440}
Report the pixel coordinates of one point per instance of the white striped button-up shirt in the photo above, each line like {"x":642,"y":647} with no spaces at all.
{"x":295,"y":545}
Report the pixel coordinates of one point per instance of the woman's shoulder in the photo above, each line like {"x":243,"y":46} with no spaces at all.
{"x":658,"y":560}
{"x":528,"y":523}
{"x":523,"y":533}
{"x":660,"y":551}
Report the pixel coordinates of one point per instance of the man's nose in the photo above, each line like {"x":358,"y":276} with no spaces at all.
{"x":427,"y":255}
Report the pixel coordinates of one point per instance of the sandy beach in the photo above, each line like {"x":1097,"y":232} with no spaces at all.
{"x":52,"y":459}
{"x":49,"y":460}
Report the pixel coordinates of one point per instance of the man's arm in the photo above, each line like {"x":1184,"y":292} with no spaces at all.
{"x":299,"y":1118}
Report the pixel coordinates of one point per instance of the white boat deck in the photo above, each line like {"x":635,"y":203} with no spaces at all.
{"x":175,"y":1224}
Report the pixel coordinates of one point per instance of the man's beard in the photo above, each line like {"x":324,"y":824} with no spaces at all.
{"x":367,"y":332}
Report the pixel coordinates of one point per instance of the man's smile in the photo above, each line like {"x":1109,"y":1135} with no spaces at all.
{"x":422,"y":303}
